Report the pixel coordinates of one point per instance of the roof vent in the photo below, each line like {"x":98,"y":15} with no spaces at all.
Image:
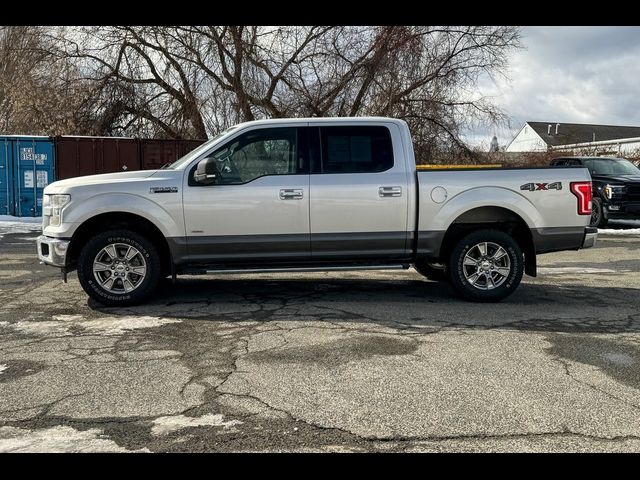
{"x":549,"y":129}
{"x":557,"y":125}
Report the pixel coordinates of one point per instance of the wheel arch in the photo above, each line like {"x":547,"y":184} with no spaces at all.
{"x":496,"y":217}
{"x":116,"y":220}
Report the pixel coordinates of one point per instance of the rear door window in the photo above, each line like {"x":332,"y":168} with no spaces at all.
{"x":356,"y":149}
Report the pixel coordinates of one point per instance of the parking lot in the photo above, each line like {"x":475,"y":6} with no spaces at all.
{"x":366,"y":361}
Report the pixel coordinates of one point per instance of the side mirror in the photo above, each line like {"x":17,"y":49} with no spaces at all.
{"x":207,"y":172}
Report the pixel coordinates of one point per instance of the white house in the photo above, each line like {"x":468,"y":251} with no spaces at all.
{"x":577,"y":137}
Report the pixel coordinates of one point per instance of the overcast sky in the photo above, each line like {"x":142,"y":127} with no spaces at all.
{"x":571,"y":75}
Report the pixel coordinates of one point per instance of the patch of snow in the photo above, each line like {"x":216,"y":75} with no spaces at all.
{"x":562,"y":270}
{"x":3,"y":367}
{"x":621,"y":231}
{"x":12,"y":219}
{"x":68,"y":318}
{"x":57,"y":439}
{"x":619,"y":358}
{"x":63,"y":324}
{"x":166,"y":425}
{"x":9,"y":224}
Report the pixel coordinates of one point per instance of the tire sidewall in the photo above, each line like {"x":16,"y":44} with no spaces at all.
{"x":91,"y":249}
{"x":463,"y":286}
{"x":597,"y":205}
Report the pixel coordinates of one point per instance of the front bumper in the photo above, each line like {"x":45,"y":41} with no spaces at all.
{"x":53,"y":251}
{"x":618,"y":209}
{"x":590,"y":236}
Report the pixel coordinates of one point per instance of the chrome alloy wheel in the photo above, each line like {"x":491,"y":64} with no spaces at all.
{"x":119,"y":268}
{"x":486,"y":265}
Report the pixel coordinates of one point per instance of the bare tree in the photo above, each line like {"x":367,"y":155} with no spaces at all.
{"x":39,"y":93}
{"x":192,"y":81}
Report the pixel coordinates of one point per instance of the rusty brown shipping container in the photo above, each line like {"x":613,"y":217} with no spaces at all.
{"x":155,"y":153}
{"x":78,"y":156}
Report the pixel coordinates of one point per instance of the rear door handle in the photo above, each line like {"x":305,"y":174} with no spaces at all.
{"x":390,"y":191}
{"x":291,"y":194}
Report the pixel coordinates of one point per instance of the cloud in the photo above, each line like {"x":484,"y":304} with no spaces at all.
{"x":571,"y":75}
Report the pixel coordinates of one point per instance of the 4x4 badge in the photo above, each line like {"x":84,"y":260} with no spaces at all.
{"x":541,"y":186}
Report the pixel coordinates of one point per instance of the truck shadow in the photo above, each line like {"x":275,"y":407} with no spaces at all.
{"x":396,"y":303}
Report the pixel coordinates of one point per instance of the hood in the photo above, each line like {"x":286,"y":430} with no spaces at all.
{"x":617,"y":179}
{"x":88,"y":180}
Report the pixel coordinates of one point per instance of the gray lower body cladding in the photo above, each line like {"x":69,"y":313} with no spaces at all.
{"x":555,"y":239}
{"x":545,"y":240}
{"x":290,"y":247}
{"x":430,"y":243}
{"x":340,"y":246}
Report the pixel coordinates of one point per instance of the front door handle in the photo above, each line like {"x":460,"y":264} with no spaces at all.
{"x":390,"y":191}
{"x":291,"y":194}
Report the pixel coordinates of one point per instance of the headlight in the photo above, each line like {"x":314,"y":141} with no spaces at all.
{"x":56,"y":204}
{"x":611,"y":191}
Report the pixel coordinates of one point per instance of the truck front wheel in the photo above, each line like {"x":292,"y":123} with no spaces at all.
{"x":597,"y":214}
{"x":486,"y":266}
{"x":119,"y":268}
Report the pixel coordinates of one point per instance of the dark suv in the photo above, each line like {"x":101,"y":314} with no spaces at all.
{"x":616,"y":187}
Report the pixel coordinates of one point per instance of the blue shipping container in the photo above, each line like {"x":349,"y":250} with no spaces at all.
{"x":6,"y":177}
{"x":28,"y":168}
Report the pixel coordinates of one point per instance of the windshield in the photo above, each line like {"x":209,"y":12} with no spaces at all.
{"x":610,"y":166}
{"x":195,"y":153}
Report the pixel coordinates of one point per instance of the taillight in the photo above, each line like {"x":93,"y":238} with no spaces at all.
{"x":583,"y":191}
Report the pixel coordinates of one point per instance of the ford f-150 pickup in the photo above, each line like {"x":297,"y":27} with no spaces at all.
{"x":307,"y":195}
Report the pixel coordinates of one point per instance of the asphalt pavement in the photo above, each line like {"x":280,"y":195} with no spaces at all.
{"x":361,"y":361}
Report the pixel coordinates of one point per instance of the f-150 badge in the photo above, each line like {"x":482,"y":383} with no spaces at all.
{"x":541,"y":186}
{"x":163,"y":190}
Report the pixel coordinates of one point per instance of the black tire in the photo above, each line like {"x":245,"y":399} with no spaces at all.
{"x":141,"y":291}
{"x":433,"y":271}
{"x":597,"y":214}
{"x":485,"y":293}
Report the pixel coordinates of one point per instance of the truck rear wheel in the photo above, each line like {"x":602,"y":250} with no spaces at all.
{"x":119,"y":268}
{"x":486,"y":266}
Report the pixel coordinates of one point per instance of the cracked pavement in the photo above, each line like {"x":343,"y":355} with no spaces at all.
{"x":339,"y":362}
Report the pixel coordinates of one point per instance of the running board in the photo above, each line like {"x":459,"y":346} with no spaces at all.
{"x":310,"y":269}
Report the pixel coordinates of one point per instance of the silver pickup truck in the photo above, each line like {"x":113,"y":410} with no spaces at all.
{"x":308,"y":195}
